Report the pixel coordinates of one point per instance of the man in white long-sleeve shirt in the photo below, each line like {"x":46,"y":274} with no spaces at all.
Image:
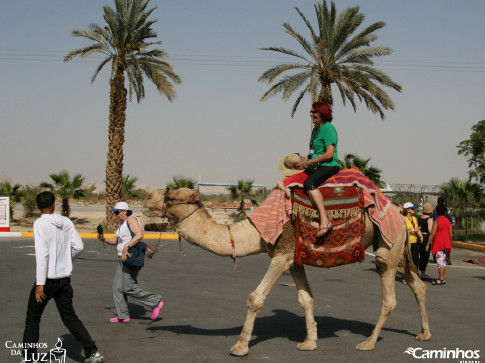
{"x":57,"y":244}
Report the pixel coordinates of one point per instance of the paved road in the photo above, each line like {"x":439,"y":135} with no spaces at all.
{"x":205,"y":307}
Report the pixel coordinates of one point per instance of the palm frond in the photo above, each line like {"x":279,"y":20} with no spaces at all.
{"x":271,"y":74}
{"x":298,"y":100}
{"x":287,"y":52}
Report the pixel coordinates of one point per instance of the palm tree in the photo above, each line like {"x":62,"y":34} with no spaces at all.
{"x":66,"y":188}
{"x":370,"y":171}
{"x":241,"y":192}
{"x":466,"y":197}
{"x":181,"y":182}
{"x":14,"y":193}
{"x":124,"y":42}
{"x":474,"y":149}
{"x":129,"y":190}
{"x":333,"y":55}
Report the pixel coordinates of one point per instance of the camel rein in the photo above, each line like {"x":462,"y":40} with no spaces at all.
{"x":169,"y":204}
{"x":199,"y":206}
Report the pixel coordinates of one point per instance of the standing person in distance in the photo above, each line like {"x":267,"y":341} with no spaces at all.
{"x":441,"y":201}
{"x":125,"y":282}
{"x":434,"y":215}
{"x":425,"y":223}
{"x":322,"y":161}
{"x":57,"y":244}
{"x":414,"y":232}
{"x":440,"y":238}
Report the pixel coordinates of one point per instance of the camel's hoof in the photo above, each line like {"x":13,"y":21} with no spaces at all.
{"x":365,"y":346}
{"x":423,"y":336}
{"x":307,"y":346}
{"x":239,"y":351}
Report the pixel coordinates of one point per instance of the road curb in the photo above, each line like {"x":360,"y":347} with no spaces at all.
{"x":469,"y":246}
{"x":163,"y":235}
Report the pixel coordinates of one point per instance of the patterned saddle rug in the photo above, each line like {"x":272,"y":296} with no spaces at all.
{"x":344,"y":206}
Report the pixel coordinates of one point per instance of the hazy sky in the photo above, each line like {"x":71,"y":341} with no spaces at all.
{"x":216,"y":129}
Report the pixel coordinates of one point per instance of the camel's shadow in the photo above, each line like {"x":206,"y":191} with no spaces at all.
{"x":284,"y":324}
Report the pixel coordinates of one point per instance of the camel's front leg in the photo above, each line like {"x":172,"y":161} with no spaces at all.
{"x":278,"y":266}
{"x":305,"y":298}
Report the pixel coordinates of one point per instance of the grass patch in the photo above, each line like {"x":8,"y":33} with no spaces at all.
{"x":472,"y":237}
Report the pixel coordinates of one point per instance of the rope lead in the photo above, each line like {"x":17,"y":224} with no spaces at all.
{"x":234,"y":258}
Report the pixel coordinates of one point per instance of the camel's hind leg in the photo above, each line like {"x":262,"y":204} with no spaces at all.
{"x":278,"y":266}
{"x":418,"y":288}
{"x":389,"y":302}
{"x":305,"y":298}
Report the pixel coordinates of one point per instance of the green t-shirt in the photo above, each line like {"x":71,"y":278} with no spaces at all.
{"x":327,"y":135}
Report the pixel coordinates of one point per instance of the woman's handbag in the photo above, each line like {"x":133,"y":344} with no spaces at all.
{"x":136,"y":256}
{"x":136,"y":253}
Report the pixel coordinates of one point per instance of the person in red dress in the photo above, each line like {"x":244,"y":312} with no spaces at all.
{"x":440,"y":238}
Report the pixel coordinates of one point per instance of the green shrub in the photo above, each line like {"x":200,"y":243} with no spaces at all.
{"x":29,"y":203}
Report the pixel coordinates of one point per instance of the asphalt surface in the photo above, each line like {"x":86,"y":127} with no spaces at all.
{"x":205,"y":308}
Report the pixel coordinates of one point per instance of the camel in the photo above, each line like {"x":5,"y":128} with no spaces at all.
{"x":194,"y":224}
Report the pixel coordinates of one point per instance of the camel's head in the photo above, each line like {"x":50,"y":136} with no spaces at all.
{"x":155,"y":200}
{"x":160,"y":198}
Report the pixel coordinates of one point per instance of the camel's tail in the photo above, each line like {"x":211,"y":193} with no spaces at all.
{"x":406,"y":262}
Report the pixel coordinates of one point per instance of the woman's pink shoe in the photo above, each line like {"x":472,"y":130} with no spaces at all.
{"x":156,"y":311}
{"x":116,"y":320}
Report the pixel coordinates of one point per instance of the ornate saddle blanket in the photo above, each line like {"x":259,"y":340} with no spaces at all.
{"x":380,"y":209}
{"x":270,"y":217}
{"x":344,"y":206}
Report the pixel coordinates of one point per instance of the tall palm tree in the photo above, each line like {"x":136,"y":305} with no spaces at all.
{"x":181,"y":182}
{"x":370,"y":171}
{"x":466,"y":197}
{"x":124,"y":42}
{"x":334,"y":54}
{"x":14,"y":193}
{"x":66,"y":188}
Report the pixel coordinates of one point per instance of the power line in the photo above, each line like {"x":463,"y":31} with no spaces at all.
{"x":44,"y":55}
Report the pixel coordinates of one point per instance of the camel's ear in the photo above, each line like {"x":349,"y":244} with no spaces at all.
{"x":194,"y":197}
{"x":184,"y":195}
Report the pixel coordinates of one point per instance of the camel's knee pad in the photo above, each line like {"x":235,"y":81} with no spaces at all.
{"x":381,"y":264}
{"x":255,"y":302}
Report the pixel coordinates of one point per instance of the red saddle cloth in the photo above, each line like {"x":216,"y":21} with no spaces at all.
{"x":344,"y":206}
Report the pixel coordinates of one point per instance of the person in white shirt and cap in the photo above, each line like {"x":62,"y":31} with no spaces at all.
{"x":57,"y":244}
{"x":127,"y":235}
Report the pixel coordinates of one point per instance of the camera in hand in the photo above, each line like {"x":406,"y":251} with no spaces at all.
{"x":100,"y":229}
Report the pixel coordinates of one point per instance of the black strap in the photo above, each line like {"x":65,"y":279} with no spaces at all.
{"x":128,"y":225}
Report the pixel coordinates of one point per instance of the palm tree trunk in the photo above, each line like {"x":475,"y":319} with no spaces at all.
{"x":66,"y":209}
{"x":326,"y":93}
{"x":116,"y":136}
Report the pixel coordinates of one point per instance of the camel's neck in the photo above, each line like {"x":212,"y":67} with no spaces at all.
{"x":202,"y":230}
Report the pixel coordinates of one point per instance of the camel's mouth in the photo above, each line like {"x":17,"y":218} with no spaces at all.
{"x":155,"y":200}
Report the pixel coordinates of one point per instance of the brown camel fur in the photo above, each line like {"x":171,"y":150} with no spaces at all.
{"x":194,"y":224}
